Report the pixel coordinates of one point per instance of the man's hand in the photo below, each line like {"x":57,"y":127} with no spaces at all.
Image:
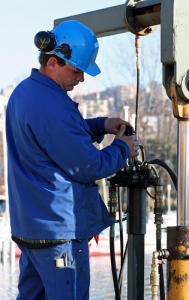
{"x":111,"y":125}
{"x":130,"y":140}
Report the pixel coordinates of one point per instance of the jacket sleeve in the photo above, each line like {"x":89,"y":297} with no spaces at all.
{"x":70,"y":146}
{"x":96,"y":126}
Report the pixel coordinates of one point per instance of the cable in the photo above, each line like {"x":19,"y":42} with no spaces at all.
{"x":143,"y":152}
{"x":121,"y":235}
{"x":166,"y":167}
{"x":155,"y":170}
{"x":123,"y":265}
{"x":150,"y":195}
{"x":120,"y":223}
{"x":162,"y":288}
{"x":137,"y":46}
{"x":113,"y":263}
{"x":124,"y":219}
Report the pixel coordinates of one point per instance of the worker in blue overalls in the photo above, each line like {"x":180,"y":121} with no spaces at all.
{"x":53,"y":165}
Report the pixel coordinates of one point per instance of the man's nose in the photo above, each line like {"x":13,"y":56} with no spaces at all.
{"x":80,"y":76}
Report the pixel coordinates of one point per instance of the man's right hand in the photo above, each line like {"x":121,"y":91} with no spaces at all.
{"x":130,"y":140}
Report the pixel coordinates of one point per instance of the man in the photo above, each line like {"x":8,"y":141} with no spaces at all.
{"x":53,"y":165}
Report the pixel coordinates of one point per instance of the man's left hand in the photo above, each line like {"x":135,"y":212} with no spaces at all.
{"x":112,"y":125}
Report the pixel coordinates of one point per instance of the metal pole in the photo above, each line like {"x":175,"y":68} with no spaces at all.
{"x":136,"y":229}
{"x":12,"y":254}
{"x":4,"y":253}
{"x":126,"y":109}
{"x":116,"y":20}
{"x":5,"y":165}
{"x":183,"y":174}
{"x":169,"y":198}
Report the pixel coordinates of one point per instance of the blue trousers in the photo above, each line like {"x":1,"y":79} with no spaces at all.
{"x":41,"y":279}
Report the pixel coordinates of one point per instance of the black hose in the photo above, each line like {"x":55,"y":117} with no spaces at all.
{"x":124,"y":219}
{"x":166,"y":167}
{"x":138,"y":89}
{"x":123,"y":265}
{"x":162,"y":288}
{"x":121,"y":234}
{"x":113,"y":264}
{"x":120,"y":224}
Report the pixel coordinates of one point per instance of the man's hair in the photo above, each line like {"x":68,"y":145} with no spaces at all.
{"x":43,"y":59}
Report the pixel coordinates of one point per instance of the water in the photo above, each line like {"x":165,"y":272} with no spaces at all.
{"x":101,"y":278}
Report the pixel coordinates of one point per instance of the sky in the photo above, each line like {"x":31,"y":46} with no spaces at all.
{"x":20,"y":20}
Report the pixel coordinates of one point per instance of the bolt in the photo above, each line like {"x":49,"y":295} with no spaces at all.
{"x":139,"y":28}
{"x":131,"y":19}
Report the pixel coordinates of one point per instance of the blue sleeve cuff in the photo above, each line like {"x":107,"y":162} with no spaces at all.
{"x":100,"y":125}
{"x":123,"y":147}
{"x":96,"y":126}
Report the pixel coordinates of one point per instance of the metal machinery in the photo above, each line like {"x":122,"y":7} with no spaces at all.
{"x":141,"y":17}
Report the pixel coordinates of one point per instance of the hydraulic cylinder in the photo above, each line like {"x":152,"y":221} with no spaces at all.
{"x":183,"y":173}
{"x":136,"y":229}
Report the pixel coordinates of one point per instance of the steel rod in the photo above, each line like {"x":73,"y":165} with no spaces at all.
{"x":183,"y":174}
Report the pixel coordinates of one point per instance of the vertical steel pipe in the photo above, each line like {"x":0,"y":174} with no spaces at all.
{"x":136,"y":229}
{"x":183,"y":174}
{"x":4,"y":254}
{"x":12,"y":254}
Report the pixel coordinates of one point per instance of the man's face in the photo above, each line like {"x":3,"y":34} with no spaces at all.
{"x":68,"y":76}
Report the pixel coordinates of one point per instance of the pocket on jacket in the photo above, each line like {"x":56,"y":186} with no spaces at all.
{"x":93,"y":206}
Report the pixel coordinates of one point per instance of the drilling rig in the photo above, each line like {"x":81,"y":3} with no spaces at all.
{"x":142,"y":17}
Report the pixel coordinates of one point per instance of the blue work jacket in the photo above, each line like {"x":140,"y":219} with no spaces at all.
{"x":53,"y":164}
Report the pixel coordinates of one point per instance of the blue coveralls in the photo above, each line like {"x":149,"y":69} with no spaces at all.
{"x":52,"y":167}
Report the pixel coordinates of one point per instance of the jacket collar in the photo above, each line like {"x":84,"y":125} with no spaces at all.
{"x":35,"y":75}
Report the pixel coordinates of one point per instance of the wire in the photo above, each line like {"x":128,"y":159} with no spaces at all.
{"x":120,"y":223}
{"x":162,"y":288}
{"x":123,"y":265}
{"x":155,"y":170}
{"x":166,"y":167}
{"x":121,"y":234}
{"x":150,"y":195}
{"x":137,"y":46}
{"x":113,"y":263}
{"x":142,"y":152}
{"x":124,"y":219}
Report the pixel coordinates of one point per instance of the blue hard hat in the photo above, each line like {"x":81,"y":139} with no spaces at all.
{"x":82,"y":46}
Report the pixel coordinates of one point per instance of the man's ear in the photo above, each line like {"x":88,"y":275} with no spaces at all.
{"x":52,"y":64}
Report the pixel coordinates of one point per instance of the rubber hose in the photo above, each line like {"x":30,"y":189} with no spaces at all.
{"x":113,"y":265}
{"x":162,"y":288}
{"x":166,"y":167}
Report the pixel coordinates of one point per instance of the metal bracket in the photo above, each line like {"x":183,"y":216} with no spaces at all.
{"x":180,"y":107}
{"x":139,"y":20}
{"x":174,"y":56}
